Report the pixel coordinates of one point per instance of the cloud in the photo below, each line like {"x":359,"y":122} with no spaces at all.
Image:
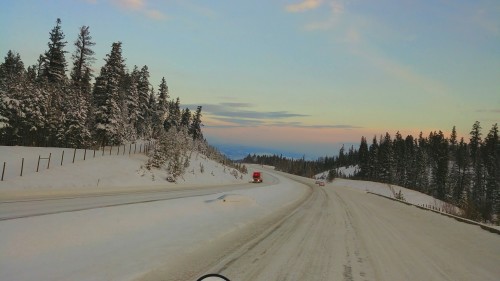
{"x":130,"y":4}
{"x":337,"y":8}
{"x":303,"y":6}
{"x":141,"y":7}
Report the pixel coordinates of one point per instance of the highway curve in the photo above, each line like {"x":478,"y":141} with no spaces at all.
{"x":342,"y":234}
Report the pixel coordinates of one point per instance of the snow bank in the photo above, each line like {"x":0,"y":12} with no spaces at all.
{"x":389,"y":190}
{"x":101,"y":171}
{"x":345,"y":171}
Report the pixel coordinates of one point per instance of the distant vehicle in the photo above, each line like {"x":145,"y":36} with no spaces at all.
{"x":257,"y":177}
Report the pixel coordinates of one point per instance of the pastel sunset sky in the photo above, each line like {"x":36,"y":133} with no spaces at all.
{"x":298,"y":75}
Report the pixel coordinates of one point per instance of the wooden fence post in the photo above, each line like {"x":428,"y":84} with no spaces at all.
{"x":117,"y":153}
{"x":74,"y":154}
{"x":48,"y":163}
{"x":22,"y":166}
{"x":62,"y":157}
{"x":38,"y":165}
{"x":110,"y":148}
{"x":84,"y":154}
{"x":129,"y":149}
{"x":3,"y":170}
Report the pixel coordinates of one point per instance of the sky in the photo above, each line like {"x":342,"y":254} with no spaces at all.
{"x":299,"y":75}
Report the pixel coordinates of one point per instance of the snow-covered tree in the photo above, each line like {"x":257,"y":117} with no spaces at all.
{"x":144,"y":118}
{"x":54,"y":58}
{"x":107,"y":98}
{"x":195,"y":128}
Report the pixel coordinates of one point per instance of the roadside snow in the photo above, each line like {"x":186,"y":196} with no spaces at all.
{"x":100,"y":171}
{"x":345,"y":171}
{"x":410,"y":196}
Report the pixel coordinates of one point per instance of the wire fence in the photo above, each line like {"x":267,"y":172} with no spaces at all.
{"x":37,"y":159}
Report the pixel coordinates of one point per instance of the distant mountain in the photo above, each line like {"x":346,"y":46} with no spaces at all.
{"x":238,"y":152}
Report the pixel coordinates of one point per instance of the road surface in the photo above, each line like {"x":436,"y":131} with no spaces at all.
{"x":14,"y":208}
{"x":328,"y":233}
{"x":344,"y":234}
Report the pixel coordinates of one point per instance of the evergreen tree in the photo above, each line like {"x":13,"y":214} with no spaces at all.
{"x":131,"y":108}
{"x":374,"y":161}
{"x":144,"y":117}
{"x":364,"y":159}
{"x":386,"y":159}
{"x":107,"y":98}
{"x":491,"y":155}
{"x":399,"y":148}
{"x":439,"y":155}
{"x":83,"y":57}
{"x":195,"y":129}
{"x":54,"y":58}
{"x":477,"y":165}
{"x":186,"y":118}
{"x":163,"y":100}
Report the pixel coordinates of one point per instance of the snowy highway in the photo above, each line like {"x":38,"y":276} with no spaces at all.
{"x":285,"y":229}
{"x":50,"y":204}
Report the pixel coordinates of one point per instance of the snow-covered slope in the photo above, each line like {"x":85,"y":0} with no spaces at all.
{"x":102,"y":170}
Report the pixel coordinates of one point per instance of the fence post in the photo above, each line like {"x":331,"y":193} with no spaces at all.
{"x":135,"y":147}
{"x":94,"y":152}
{"x":110,"y":148}
{"x":22,"y":166}
{"x":129,"y":149}
{"x":62,"y":158}
{"x":103,"y":150}
{"x":48,"y":163}
{"x":38,"y":165}
{"x":3,"y":170}
{"x":124,"y":149}
{"x":117,"y":153}
{"x":74,"y":154}
{"x":84,"y":154}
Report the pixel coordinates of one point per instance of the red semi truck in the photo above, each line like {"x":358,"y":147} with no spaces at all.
{"x":257,"y":177}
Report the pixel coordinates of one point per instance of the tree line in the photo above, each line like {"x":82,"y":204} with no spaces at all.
{"x":463,"y":172}
{"x":42,"y":106}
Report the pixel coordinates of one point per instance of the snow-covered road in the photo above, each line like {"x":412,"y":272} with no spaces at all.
{"x":345,"y":234}
{"x":288,"y":230}
{"x":125,"y":242}
{"x":13,"y":208}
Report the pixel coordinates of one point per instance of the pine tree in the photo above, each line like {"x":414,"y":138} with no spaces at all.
{"x":386,"y":159}
{"x":83,"y":57}
{"x":491,"y":155}
{"x":373,"y":160}
{"x":107,"y":98}
{"x":163,"y":97}
{"x":439,"y":155}
{"x":54,"y":58}
{"x":186,"y":118}
{"x":131,"y":108}
{"x":364,"y":159}
{"x":144,"y":117}
{"x":399,"y":148}
{"x":476,"y":163}
{"x":195,"y":129}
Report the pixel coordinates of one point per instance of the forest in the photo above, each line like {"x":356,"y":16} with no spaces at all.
{"x":42,"y":106}
{"x":463,"y":172}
